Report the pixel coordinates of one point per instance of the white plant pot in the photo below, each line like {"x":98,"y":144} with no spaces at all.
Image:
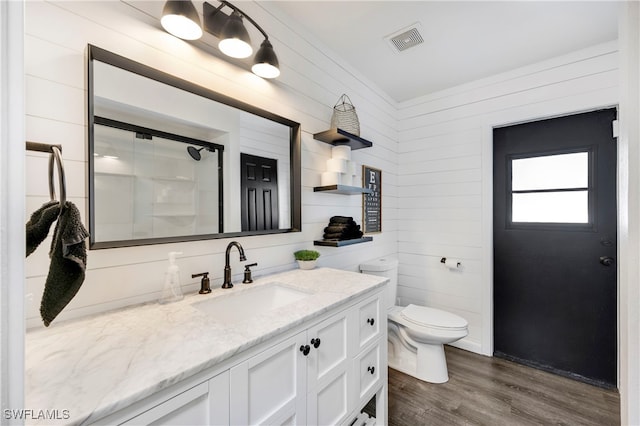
{"x":306,"y":264}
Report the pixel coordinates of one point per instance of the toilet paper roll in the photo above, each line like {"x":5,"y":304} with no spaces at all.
{"x":341,"y":151}
{"x":352,"y":168}
{"x":329,"y":178}
{"x":453,"y":263}
{"x":339,"y":165}
{"x":335,"y":178}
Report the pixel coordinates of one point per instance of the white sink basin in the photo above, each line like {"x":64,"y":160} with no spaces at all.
{"x":247,"y":303}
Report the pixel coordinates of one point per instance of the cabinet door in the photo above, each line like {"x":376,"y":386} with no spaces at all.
{"x":269,"y":388}
{"x":219,"y":399}
{"x":190,"y":407}
{"x":328,"y":372}
{"x":369,"y":322}
{"x":368,"y":372}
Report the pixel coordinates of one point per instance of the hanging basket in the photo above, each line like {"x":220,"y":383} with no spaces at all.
{"x":344,"y":116}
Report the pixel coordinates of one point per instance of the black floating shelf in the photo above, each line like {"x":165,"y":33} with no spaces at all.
{"x":342,"y":189}
{"x":337,"y":137}
{"x":341,"y":243}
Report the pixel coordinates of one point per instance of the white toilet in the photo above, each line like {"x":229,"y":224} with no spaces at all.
{"x":416,"y":333}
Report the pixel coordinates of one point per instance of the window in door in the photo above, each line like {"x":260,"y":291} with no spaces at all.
{"x":551,"y":189}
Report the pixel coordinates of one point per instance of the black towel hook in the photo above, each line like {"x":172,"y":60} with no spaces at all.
{"x":55,"y":158}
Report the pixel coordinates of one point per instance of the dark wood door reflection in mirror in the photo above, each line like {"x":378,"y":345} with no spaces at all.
{"x":164,"y":159}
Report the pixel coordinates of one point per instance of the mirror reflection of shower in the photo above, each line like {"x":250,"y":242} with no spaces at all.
{"x":195,"y":152}
{"x":171,"y":195}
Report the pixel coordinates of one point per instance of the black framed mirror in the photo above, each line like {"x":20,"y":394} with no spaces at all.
{"x":172,"y":161}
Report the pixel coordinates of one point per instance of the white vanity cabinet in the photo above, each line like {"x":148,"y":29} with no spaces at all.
{"x":317,"y":377}
{"x":367,"y":372}
{"x":328,"y":371}
{"x":189,"y":407}
{"x":320,"y":373}
{"x":313,"y":378}
{"x":370,"y":347}
{"x":303,"y":380}
{"x":270,"y":388}
{"x":205,"y":403}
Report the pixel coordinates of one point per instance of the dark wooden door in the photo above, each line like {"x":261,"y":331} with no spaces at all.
{"x":259,"y":182}
{"x":555,"y":295}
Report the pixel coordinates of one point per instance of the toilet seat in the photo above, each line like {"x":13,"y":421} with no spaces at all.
{"x":433,"y":318}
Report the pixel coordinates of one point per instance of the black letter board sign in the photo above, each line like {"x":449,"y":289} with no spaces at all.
{"x":372,"y":203}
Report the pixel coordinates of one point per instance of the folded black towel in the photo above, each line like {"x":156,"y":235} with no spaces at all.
{"x":344,"y":235}
{"x":39,"y":224}
{"x":68,"y":263}
{"x":345,"y":229}
{"x":336,"y":228}
{"x":333,"y":236}
{"x":341,"y":219}
{"x":342,"y":228}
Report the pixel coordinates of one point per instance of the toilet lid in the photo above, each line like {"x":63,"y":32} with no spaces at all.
{"x":429,"y":317}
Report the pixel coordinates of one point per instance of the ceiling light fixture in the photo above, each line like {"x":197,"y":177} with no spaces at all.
{"x":265,"y":63}
{"x":234,"y":38}
{"x":180,"y":18}
{"x":233,"y":35}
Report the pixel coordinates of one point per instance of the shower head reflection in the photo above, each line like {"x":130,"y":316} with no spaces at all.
{"x":194,"y":152}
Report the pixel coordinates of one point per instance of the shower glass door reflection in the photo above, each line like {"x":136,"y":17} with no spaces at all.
{"x":148,"y":186}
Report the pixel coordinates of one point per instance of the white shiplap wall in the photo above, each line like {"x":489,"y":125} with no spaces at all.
{"x":57,"y":34}
{"x":437,"y":181}
{"x":445,"y":175}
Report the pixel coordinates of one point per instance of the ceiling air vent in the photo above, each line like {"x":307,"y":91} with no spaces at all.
{"x":406,"y":38}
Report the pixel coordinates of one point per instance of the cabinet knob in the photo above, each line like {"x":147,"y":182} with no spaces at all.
{"x":315,"y":342}
{"x":371,"y":321}
{"x":371,"y":370}
{"x":305,"y":349}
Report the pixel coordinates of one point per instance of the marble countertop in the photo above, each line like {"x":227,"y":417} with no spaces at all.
{"x":94,"y":366}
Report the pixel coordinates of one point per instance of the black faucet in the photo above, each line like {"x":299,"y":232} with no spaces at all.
{"x":227,"y":269}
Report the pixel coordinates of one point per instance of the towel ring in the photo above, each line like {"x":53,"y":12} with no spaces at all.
{"x":55,"y":157}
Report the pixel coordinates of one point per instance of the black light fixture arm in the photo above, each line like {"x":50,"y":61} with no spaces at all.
{"x":244,"y":15}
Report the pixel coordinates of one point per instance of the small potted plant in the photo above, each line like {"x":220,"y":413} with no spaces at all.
{"x":306,"y":258}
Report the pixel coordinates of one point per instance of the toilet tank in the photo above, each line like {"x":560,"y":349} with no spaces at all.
{"x":385,"y":267}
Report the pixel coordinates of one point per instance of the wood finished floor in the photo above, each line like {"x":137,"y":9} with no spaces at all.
{"x":491,"y":391}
